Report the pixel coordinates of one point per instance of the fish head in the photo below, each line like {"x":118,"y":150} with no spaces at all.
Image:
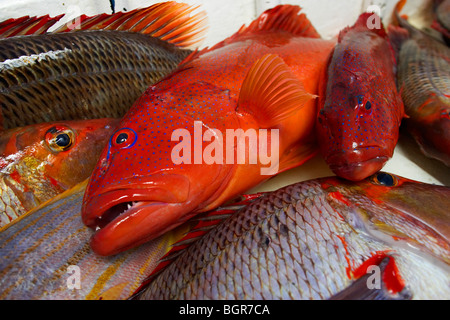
{"x":147,"y":180}
{"x":355,"y":125}
{"x":65,"y":152}
{"x":398,"y":211}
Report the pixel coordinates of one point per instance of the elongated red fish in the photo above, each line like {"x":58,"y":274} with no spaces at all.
{"x":360,"y":110}
{"x":229,"y":118}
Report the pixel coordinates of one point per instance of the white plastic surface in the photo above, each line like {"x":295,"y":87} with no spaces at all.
{"x":226,"y":17}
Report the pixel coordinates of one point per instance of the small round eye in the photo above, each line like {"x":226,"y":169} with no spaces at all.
{"x":63,"y":140}
{"x":123,"y":138}
{"x":385,"y":179}
{"x":59,"y":138}
{"x":368,"y":105}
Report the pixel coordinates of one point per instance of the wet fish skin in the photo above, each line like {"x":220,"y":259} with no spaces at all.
{"x":360,"y":110}
{"x":35,"y":166}
{"x":41,"y":251}
{"x":254,"y":79}
{"x":310,"y":239}
{"x":423,"y":79}
{"x":79,"y":75}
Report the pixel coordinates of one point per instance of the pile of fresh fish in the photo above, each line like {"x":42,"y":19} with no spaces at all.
{"x":118,"y":172}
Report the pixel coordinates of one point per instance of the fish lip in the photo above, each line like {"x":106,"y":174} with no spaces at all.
{"x":356,"y":170}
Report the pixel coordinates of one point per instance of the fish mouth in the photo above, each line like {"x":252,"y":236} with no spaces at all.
{"x":125,"y":218}
{"x":363,"y":165}
{"x":130,"y":222}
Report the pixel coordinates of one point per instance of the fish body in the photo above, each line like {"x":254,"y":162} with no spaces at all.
{"x":360,"y":109}
{"x":97,"y":71}
{"x":46,"y":256}
{"x":40,"y":161}
{"x":442,"y":20}
{"x":320,"y":239}
{"x":424,"y":81}
{"x":263,"y":77}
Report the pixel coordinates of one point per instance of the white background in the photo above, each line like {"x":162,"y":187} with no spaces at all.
{"x":226,"y":17}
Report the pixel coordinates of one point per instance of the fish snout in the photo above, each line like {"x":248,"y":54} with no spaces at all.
{"x":358,"y":163}
{"x":126,"y":216}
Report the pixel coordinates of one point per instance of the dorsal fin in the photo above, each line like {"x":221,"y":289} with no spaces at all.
{"x":169,"y":21}
{"x":282,"y":18}
{"x":271,"y":91}
{"x":27,"y":25}
{"x":203,"y":223}
{"x":369,"y":21}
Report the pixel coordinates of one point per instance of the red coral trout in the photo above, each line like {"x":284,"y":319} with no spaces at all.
{"x":46,"y":256}
{"x":360,"y":109}
{"x":384,"y":237}
{"x":424,"y":78}
{"x":227,"y":119}
{"x":92,"y":67}
{"x":40,"y":161}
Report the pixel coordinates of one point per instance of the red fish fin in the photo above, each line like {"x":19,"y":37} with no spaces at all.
{"x":170,"y":21}
{"x":384,"y":283}
{"x":282,"y":18}
{"x":202,"y":224}
{"x":271,"y":91}
{"x":27,"y":25}
{"x":298,"y":155}
{"x":365,"y":21}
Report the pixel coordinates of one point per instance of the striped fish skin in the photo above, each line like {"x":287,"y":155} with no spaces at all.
{"x":424,"y":79}
{"x":79,"y":75}
{"x":41,"y":251}
{"x":306,"y":241}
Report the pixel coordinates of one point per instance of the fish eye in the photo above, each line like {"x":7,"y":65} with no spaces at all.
{"x":385,"y":179}
{"x":123,"y":138}
{"x":59,"y":138}
{"x":368,"y":105}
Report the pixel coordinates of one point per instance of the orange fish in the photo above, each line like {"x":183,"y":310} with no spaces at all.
{"x":251,"y":93}
{"x":40,"y":161}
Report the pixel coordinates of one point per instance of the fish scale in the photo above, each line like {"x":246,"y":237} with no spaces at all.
{"x":307,"y":241}
{"x":38,"y":250}
{"x":253,"y":241}
{"x":58,"y":61}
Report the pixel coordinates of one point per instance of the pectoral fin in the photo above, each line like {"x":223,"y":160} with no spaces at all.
{"x":373,"y":286}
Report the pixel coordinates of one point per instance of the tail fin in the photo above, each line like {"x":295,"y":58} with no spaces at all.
{"x":170,"y":21}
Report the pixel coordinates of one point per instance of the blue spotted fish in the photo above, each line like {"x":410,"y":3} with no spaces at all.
{"x":360,"y":109}
{"x":265,"y":77}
